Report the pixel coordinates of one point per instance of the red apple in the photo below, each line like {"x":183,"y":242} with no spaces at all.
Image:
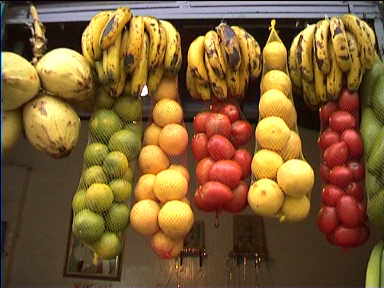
{"x":239,"y":201}
{"x":227,"y":172}
{"x":340,"y":176}
{"x":232,"y":111}
{"x":199,"y":121}
{"x":354,"y":142}
{"x":327,"y":138}
{"x":324,"y":172}
{"x":349,"y":101}
{"x":331,"y":194}
{"x":215,"y":194}
{"x":201,"y":204}
{"x":336,"y":154}
{"x":348,"y":212}
{"x":357,"y":170}
{"x":355,"y":190}
{"x":202,"y":170}
{"x":244,"y":159}
{"x":218,"y":124}
{"x":241,"y":132}
{"x":342,"y":120}
{"x":347,"y":237}
{"x":199,"y":146}
{"x":326,"y":111}
{"x":327,"y":220}
{"x":220,"y":148}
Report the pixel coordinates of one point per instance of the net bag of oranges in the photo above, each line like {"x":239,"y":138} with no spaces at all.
{"x":162,"y":210}
{"x":282,"y":179}
{"x":221,"y":64}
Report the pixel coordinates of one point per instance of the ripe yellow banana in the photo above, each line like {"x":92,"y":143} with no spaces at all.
{"x":140,"y":74}
{"x":111,"y":61}
{"x":118,"y":87}
{"x":320,"y":82}
{"x":154,"y":79}
{"x":114,"y":26}
{"x":97,"y":25}
{"x":231,"y":45}
{"x":233,"y":83}
{"x":191,"y":85}
{"x":173,"y":48}
{"x":355,"y":74}
{"x":86,"y":47}
{"x":100,"y":72}
{"x":340,"y":44}
{"x":294,"y":69}
{"x":309,"y":94}
{"x":203,"y":90}
{"x":371,"y":48}
{"x":334,"y":77}
{"x":254,"y":54}
{"x":321,"y":45}
{"x":217,"y":84}
{"x":306,"y":44}
{"x":214,"y":53}
{"x":151,"y":25}
{"x":196,"y":60}
{"x":162,"y":46}
{"x":179,"y":60}
{"x":355,"y":25}
{"x":132,"y":43}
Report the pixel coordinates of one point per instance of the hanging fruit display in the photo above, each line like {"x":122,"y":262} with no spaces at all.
{"x":220,"y":65}
{"x":282,"y":179}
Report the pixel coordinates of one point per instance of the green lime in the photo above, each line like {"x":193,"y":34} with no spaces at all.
{"x":136,"y":127}
{"x":78,"y":201}
{"x":95,"y":153}
{"x":115,"y":164}
{"x":108,"y":246}
{"x":94,"y":174}
{"x":117,"y":217}
{"x":129,"y":109}
{"x":121,"y":189}
{"x":99,"y":197}
{"x":103,"y":100}
{"x":127,"y":142}
{"x":88,"y":226}
{"x":128,"y":175}
{"x":103,"y":124}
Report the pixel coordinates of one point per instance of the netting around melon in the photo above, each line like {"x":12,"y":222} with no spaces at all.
{"x":278,"y":165}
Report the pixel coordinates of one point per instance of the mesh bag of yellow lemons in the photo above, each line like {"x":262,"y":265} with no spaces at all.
{"x":126,"y":53}
{"x":282,"y":179}
{"x":162,"y":211}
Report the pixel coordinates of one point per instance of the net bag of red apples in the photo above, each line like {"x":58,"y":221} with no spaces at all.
{"x":342,"y":217}
{"x":282,"y":180}
{"x":220,"y":65}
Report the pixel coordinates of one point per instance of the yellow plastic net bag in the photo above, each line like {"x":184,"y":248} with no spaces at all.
{"x":282,"y":179}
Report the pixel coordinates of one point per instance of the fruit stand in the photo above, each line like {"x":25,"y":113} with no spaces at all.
{"x":165,"y":187}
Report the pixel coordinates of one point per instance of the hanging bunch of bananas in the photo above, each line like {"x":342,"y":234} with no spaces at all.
{"x":221,"y":63}
{"x":128,"y":52}
{"x":329,"y":55}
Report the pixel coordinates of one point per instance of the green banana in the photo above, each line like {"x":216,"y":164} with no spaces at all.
{"x":372,"y":277}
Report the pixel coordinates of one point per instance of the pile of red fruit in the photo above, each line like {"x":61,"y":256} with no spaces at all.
{"x":223,"y":166}
{"x":343,"y":215}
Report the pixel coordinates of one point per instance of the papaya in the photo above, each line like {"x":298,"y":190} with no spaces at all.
{"x":377,"y":100}
{"x":369,"y":128}
{"x":368,"y":82}
{"x":376,"y":158}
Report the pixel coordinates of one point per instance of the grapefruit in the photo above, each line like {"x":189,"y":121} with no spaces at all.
{"x":295,"y":209}
{"x":125,"y":141}
{"x":151,"y":135}
{"x":128,"y":108}
{"x":293,"y":148}
{"x":94,"y":174}
{"x":78,"y":201}
{"x":265,"y":197}
{"x":167,"y":111}
{"x":144,"y":216}
{"x":265,"y":164}
{"x":88,"y":226}
{"x":99,"y":197}
{"x":103,"y":124}
{"x":173,"y":139}
{"x":115,"y":164}
{"x":144,"y":187}
{"x":176,"y":219}
{"x":272,"y":133}
{"x":182,"y":170}
{"x":166,"y":247}
{"x":276,"y":79}
{"x":136,"y":127}
{"x":117,"y":218}
{"x":275,"y":56}
{"x":152,"y":160}
{"x":95,"y":153}
{"x":121,"y":189}
{"x":108,"y":246}
{"x":169,"y":185}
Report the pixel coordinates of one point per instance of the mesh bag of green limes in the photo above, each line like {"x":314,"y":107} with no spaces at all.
{"x":282,"y":179}
{"x":101,"y":204}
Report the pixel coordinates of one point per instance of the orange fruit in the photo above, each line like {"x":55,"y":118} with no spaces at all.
{"x":272,"y":133}
{"x":265,"y":164}
{"x":293,"y":148}
{"x":151,"y":135}
{"x":168,"y":88}
{"x":144,"y":187}
{"x":169,"y":185}
{"x":182,"y":170}
{"x":144,"y":216}
{"x":167,"y":111}
{"x":173,"y":139}
{"x":152,"y":160}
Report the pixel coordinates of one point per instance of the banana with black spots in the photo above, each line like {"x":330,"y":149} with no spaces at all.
{"x":306,"y":43}
{"x":214,"y":53}
{"x":132,"y":43}
{"x":154,"y":78}
{"x":114,"y":26}
{"x":97,"y":25}
{"x":111,"y":61}
{"x":254,"y":54}
{"x":117,"y":88}
{"x":321,"y":46}
{"x":355,"y":74}
{"x":191,"y":85}
{"x":294,"y":69}
{"x":172,"y":58}
{"x":371,"y":54}
{"x":100,"y":72}
{"x":231,"y":45}
{"x":217,"y":84}
{"x":196,"y":60}
{"x":309,"y":94}
{"x":340,"y":44}
{"x":152,"y":27}
{"x":86,"y":47}
{"x":334,"y":77}
{"x":140,"y":74}
{"x":320,"y":82}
